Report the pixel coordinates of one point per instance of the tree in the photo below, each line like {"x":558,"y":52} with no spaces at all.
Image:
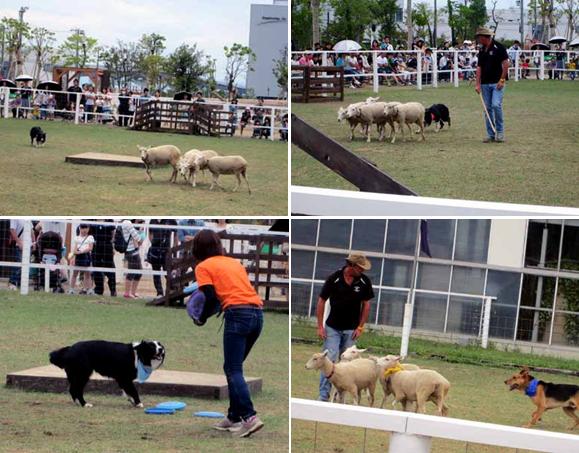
{"x":78,"y":50}
{"x":423,"y":16}
{"x":152,"y":44}
{"x":409,"y":22}
{"x":384,"y":13}
{"x":186,"y":66}
{"x":496,"y":18}
{"x":14,"y":30}
{"x":477,"y":16}
{"x":280,"y":71}
{"x":570,"y":9}
{"x":41,"y":41}
{"x":315,"y":5}
{"x":239,"y":61}
{"x":301,"y":24}
{"x":351,"y":18}
{"x":122,"y":61}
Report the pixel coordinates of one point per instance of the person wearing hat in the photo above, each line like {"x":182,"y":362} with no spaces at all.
{"x":491,"y":75}
{"x":349,"y":292}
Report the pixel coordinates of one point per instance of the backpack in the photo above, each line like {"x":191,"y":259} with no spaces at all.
{"x":199,"y":309}
{"x":119,"y":242}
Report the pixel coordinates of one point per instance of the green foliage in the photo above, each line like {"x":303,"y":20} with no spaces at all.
{"x":41,"y":42}
{"x":351,"y":17}
{"x":280,"y":71}
{"x":187,"y":66}
{"x":569,"y":290}
{"x":78,"y":50}
{"x":301,"y":24}
{"x":152,"y":44}
{"x":239,"y":61}
{"x":123,"y":62}
{"x":384,"y":15}
{"x":423,"y":16}
{"x":13,"y":30}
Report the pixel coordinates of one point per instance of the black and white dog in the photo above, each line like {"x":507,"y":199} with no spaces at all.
{"x":438,"y":113}
{"x":120,"y":361}
{"x":37,"y":135}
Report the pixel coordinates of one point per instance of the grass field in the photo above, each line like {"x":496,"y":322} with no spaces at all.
{"x":537,"y":164}
{"x":477,"y":393}
{"x":39,"y":182}
{"x":32,"y":326}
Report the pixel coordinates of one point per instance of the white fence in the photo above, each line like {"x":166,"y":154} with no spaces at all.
{"x":109,"y":112}
{"x":413,"y":433}
{"x":459,"y":65}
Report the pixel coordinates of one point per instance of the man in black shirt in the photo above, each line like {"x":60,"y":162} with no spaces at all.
{"x":160,"y":243}
{"x":491,"y":75}
{"x":349,"y":292}
{"x":103,"y":256}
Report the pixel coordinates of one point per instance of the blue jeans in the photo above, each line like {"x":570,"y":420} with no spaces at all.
{"x":16,"y":271}
{"x":493,"y":99}
{"x":242,"y":329}
{"x":336,"y":342}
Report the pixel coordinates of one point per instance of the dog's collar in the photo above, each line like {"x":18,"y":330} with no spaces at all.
{"x":433,"y":116}
{"x":393,"y":370}
{"x":332,"y":373}
{"x":531,"y":389}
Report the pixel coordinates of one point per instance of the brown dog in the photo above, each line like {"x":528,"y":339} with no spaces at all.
{"x":546,"y":395}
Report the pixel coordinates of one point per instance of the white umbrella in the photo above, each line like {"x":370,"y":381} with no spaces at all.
{"x":557,"y":40}
{"x":24,"y":78}
{"x":347,"y":46}
{"x":574,"y":43}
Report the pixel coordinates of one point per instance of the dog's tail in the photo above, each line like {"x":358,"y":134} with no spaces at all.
{"x":59,"y":357}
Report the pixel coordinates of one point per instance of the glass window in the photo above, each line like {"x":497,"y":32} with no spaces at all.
{"x":369,"y":235}
{"x":391,"y":311}
{"x":468,"y":280}
{"x":374,"y":273}
{"x":304,"y":231}
{"x":401,"y":237}
{"x":534,"y":325}
{"x":300,"y":298}
{"x":535,"y":313}
{"x":397,"y":273}
{"x":440,"y":235}
{"x":429,"y":312}
{"x":335,"y":233}
{"x":570,"y":252}
{"x":566,"y":322}
{"x":302,"y":262}
{"x":433,"y":276}
{"x":472,"y":240}
{"x":505,"y":287}
{"x":464,"y":315}
{"x":543,"y":239}
{"x":328,"y":263}
{"x":538,"y":291}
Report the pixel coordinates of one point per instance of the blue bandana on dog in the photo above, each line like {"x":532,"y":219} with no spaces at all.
{"x":531,"y":389}
{"x":143,"y":372}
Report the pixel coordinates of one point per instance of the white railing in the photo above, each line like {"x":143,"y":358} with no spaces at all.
{"x":414,"y":432}
{"x":461,"y":66}
{"x":79,"y":115}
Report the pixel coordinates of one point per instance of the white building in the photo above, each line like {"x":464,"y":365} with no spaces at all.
{"x":268,"y":40}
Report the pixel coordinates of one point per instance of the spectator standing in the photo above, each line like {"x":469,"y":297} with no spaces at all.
{"x":186,"y":235}
{"x":160,"y":243}
{"x":124,"y":101}
{"x":89,"y":104}
{"x":103,"y":255}
{"x":75,"y":88}
{"x":25,"y":95}
{"x":82,"y":247}
{"x":134,"y":239}
{"x":16,"y":239}
{"x":386,"y":45}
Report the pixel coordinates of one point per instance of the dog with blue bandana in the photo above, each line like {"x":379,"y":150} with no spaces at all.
{"x":120,"y":361}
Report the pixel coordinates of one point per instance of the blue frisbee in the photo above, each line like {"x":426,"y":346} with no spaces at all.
{"x":175,"y":405}
{"x":189,"y":289}
{"x":209,"y":414}
{"x":159,"y":411}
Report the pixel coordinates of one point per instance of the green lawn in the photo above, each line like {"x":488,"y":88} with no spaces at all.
{"x":32,"y":326}
{"x":537,"y":164}
{"x":39,"y":182}
{"x":476,"y":393}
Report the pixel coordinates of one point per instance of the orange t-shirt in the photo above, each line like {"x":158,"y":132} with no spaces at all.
{"x":230,"y":280}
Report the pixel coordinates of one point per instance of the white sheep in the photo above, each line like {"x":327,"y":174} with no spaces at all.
{"x":353,"y":121}
{"x":381,"y":363}
{"x":418,"y":386}
{"x":224,"y":165}
{"x":351,"y":377}
{"x":187,"y":166}
{"x":406,"y":114}
{"x":160,"y":155}
{"x":373,"y":113}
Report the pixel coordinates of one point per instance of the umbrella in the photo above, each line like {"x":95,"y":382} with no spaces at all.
{"x":574,"y":43}
{"x":24,"y":78}
{"x":183,"y":96}
{"x":49,"y":85}
{"x":7,"y":83}
{"x":347,"y":45}
{"x":557,"y":40}
{"x":540,"y":46}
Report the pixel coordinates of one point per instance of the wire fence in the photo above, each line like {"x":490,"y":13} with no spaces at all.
{"x":418,"y":68}
{"x":115,"y":109}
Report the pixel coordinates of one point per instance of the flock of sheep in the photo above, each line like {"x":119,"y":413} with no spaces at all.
{"x":371,"y":112}
{"x":192,"y":162}
{"x":407,"y":382}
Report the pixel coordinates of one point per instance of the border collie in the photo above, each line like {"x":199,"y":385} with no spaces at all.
{"x":438,"y":113}
{"x":119,"y":361}
{"x":36,"y":133}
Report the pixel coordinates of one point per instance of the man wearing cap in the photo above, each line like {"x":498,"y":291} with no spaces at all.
{"x":349,"y":292}
{"x":491,"y":75}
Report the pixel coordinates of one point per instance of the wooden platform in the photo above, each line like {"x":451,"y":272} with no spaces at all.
{"x":115,"y":160}
{"x":162,"y":382}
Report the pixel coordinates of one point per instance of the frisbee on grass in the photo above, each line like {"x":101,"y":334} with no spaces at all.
{"x":209,"y":414}
{"x":175,"y":405}
{"x":159,"y":411}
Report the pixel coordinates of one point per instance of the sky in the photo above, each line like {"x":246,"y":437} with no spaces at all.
{"x":211,"y":24}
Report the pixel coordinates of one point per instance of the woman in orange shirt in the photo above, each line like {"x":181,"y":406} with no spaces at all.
{"x":225,"y":279}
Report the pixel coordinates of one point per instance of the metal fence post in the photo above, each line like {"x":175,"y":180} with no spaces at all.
{"x":375,"y":79}
{"x":418,"y":70}
{"x":516,"y":66}
{"x":434,"y":69}
{"x":324,"y":58}
{"x":542,"y":65}
{"x":77,"y":108}
{"x":25,"y":262}
{"x":404,"y":443}
{"x":272,"y":124}
{"x":6,"y":105}
{"x":456,"y":73}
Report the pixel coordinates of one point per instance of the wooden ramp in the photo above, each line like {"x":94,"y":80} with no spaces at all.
{"x":162,"y":382}
{"x":115,"y":160}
